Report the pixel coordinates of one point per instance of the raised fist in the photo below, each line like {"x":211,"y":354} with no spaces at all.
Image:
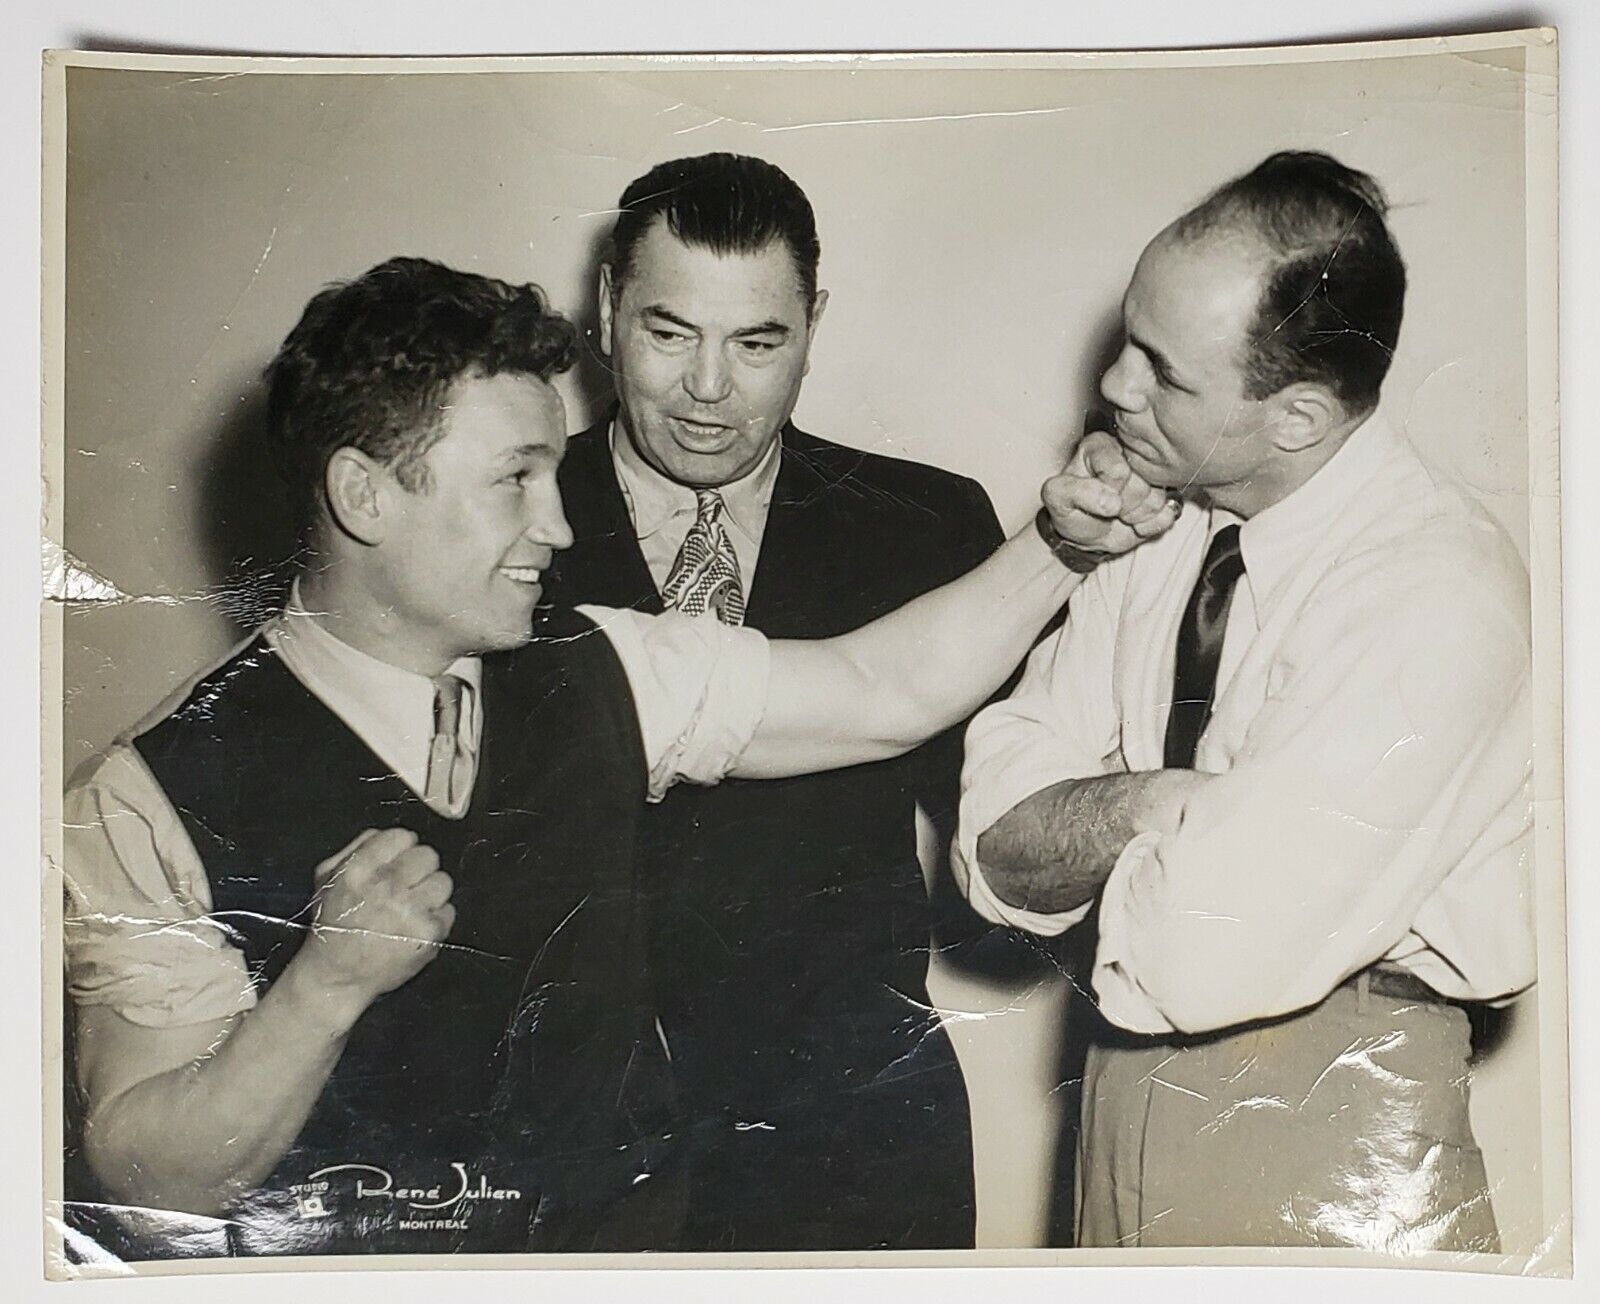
{"x":381,"y":910}
{"x":1100,"y":504}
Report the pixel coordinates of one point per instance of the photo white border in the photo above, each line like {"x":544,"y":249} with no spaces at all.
{"x":1216,"y":16}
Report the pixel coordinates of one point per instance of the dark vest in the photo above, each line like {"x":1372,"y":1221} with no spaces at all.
{"x":524,"y":1054}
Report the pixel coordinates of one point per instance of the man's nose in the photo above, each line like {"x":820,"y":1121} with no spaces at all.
{"x":548,"y":525}
{"x":708,"y":378}
{"x":1119,"y":385}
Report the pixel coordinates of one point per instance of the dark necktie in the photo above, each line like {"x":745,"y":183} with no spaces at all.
{"x":1205,"y":619}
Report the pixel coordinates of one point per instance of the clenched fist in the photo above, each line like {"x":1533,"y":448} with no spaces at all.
{"x":381,"y":910}
{"x":1101,"y":505}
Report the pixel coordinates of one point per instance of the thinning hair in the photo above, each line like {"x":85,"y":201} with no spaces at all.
{"x":371,"y":363}
{"x":1333,"y":291}
{"x":727,"y":203}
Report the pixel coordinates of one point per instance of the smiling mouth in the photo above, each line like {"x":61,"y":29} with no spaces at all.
{"x":703,"y":429}
{"x":522,"y":574}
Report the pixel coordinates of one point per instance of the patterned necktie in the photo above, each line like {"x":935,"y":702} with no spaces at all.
{"x":451,"y":758}
{"x":705,"y":576}
{"x":1205,"y":619}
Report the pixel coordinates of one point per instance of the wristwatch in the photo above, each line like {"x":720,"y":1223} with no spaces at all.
{"x":1069,"y":554}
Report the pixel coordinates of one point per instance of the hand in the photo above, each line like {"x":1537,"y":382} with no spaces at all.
{"x":381,"y":909}
{"x":1100,"y":504}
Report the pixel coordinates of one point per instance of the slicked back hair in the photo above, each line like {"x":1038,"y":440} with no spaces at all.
{"x":1333,"y":292}
{"x":727,"y":203}
{"x":371,"y":362}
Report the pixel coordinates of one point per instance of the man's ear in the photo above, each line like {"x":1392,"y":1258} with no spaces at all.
{"x":1307,"y":414}
{"x":818,"y":304}
{"x":355,"y":500}
{"x":605,"y":308}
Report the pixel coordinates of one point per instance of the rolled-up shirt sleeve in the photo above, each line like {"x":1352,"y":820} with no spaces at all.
{"x":1059,"y":724}
{"x":136,"y":930}
{"x":1377,"y":800}
{"x":699,"y":686}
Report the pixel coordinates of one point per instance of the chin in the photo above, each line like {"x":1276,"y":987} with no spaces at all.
{"x":1156,"y":473}
{"x":507,"y":637}
{"x":512,"y":630}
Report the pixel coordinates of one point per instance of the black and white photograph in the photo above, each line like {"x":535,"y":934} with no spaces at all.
{"x":830,"y":659}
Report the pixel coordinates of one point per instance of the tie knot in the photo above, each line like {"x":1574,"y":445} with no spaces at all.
{"x":707,"y":506}
{"x":1224,"y":561}
{"x":447,"y":704}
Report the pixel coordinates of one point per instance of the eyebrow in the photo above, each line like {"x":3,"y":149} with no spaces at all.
{"x":1158,"y":359}
{"x":771,"y":327}
{"x":535,"y":452}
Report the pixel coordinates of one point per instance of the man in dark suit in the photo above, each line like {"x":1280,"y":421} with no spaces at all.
{"x":823,"y":1106}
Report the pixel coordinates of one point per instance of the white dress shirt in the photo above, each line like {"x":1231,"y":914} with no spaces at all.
{"x":389,"y":709}
{"x":1370,"y":742}
{"x":662,"y":510}
{"x":136,"y":933}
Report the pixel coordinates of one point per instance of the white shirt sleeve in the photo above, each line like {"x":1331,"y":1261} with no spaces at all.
{"x":699,"y":686}
{"x":1391,"y":755}
{"x":136,"y":933}
{"x":1060,"y":723}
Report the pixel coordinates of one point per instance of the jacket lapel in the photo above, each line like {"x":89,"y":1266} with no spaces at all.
{"x":783,"y":594}
{"x":604,"y":564}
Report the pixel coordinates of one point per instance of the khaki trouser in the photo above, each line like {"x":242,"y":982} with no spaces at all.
{"x":1343,"y":1126}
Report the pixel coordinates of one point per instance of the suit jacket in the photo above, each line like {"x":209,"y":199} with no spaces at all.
{"x":794,"y":926}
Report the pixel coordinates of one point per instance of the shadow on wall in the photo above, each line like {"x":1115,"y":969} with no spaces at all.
{"x":592,"y":374}
{"x":1098,"y":356}
{"x":247,"y":537}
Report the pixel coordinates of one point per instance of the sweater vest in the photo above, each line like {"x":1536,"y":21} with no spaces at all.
{"x":480,"y":1105}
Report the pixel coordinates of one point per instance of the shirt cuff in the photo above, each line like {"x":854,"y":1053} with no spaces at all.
{"x":1121,"y":999}
{"x":699,"y":687}
{"x":157,"y":973}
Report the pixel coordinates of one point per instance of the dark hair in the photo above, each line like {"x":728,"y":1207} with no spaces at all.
{"x":728,"y":203}
{"x":371,"y":362}
{"x":1334,"y":290}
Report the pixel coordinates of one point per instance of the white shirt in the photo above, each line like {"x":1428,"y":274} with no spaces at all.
{"x":1371,"y":738}
{"x":391,"y":710}
{"x":662,"y":510}
{"x":136,"y":932}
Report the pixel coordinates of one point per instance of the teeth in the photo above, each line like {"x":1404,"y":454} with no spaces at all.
{"x":525,"y":574}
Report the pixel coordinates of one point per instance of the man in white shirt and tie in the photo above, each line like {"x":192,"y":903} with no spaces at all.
{"x":352,"y":928}
{"x":1284,"y":750}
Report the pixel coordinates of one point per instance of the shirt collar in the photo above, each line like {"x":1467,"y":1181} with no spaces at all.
{"x":388,"y":708}
{"x":1277,"y":541}
{"x":655,"y":500}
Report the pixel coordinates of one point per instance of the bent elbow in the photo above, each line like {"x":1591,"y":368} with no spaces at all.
{"x":146,"y":1176}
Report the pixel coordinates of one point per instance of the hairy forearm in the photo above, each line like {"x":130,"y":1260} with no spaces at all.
{"x":882,"y":689}
{"x":1053,"y":851}
{"x":198,"y":1136}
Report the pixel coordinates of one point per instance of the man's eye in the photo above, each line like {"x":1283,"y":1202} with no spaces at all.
{"x":759,"y":346}
{"x":666,"y":337}
{"x":517,"y":478}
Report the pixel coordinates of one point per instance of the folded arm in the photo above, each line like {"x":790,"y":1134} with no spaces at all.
{"x":1392,"y":757}
{"x":1389,"y":756}
{"x":1053,"y":851}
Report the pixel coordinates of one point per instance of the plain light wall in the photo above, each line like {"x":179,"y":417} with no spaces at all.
{"x":978,"y":227}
